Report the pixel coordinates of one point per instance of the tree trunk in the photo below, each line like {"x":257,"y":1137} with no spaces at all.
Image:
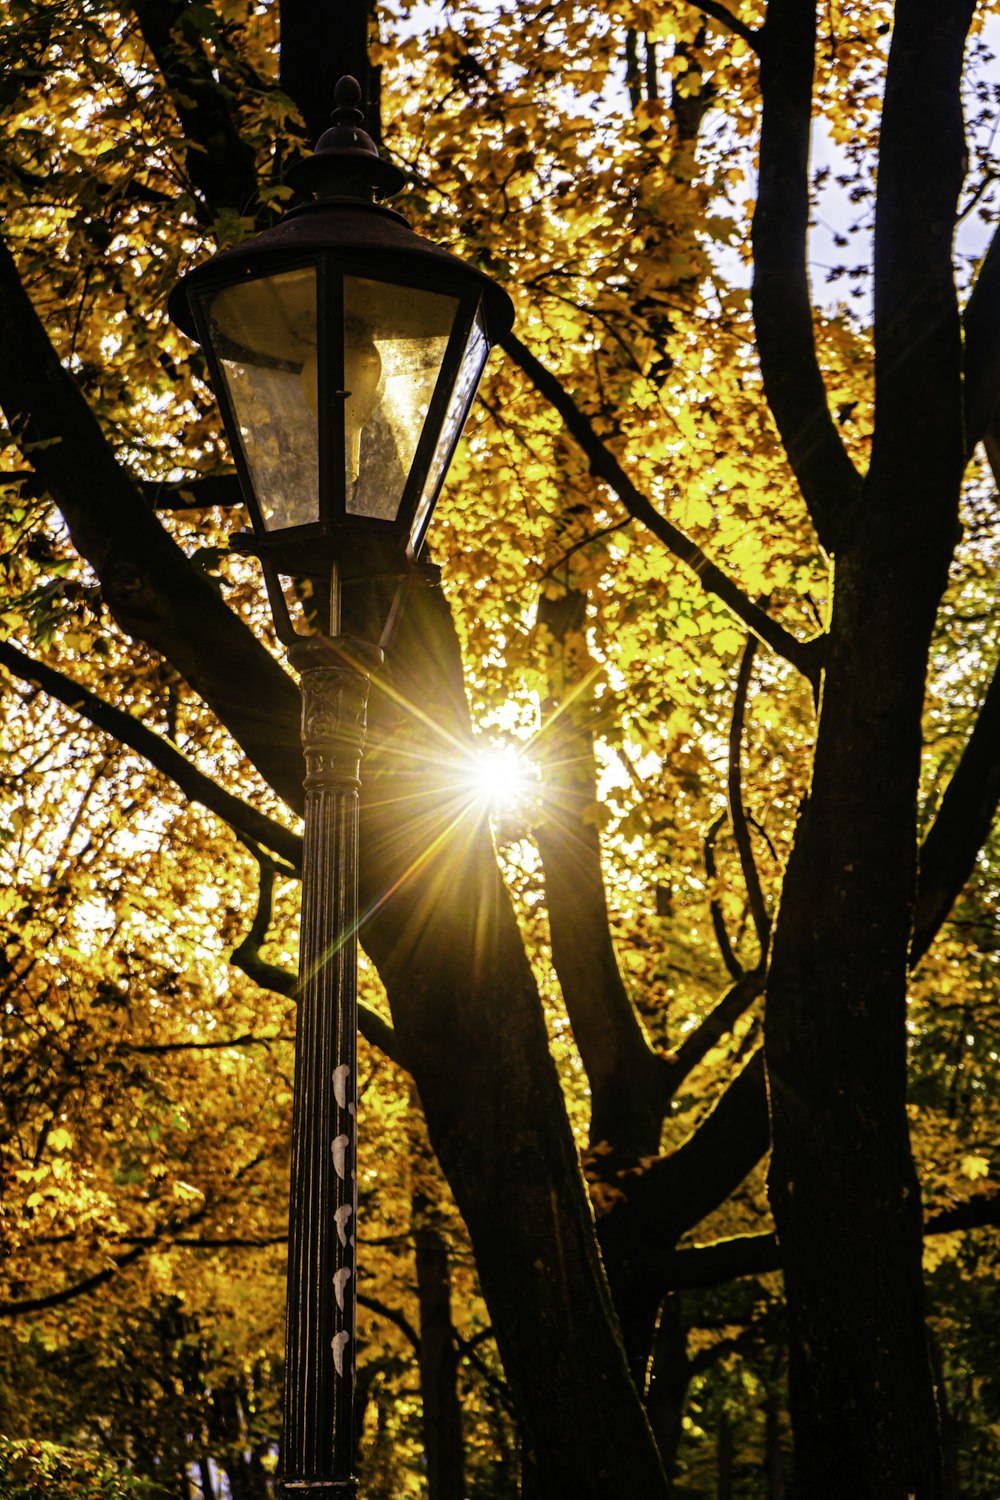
{"x":724,"y":1459}
{"x":670,"y":1376}
{"x":843,"y":1187}
{"x":471,"y":1030}
{"x":774,"y":1458}
{"x":443,"y":1447}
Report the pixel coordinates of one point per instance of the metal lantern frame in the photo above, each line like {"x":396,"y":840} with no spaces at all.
{"x":296,"y":545}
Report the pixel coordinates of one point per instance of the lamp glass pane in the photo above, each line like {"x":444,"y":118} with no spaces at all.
{"x":395,"y":339}
{"x":263,"y":333}
{"x":462,"y":394}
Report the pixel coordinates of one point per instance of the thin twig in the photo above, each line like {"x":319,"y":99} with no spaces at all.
{"x":731,"y":22}
{"x":719,"y":927}
{"x":382,"y":1310}
{"x":737,"y":813}
{"x":247,"y":958}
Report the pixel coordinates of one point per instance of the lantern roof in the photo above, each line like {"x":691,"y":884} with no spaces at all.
{"x":348,"y":175}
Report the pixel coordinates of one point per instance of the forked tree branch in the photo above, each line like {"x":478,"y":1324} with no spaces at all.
{"x":150,"y":586}
{"x":604,"y":466}
{"x":675,"y":1192}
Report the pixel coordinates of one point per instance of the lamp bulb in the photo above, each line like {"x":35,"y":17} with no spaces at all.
{"x":362,"y":374}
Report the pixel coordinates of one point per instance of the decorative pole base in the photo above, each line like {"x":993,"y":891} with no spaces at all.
{"x":317,"y":1443}
{"x":305,"y":1489}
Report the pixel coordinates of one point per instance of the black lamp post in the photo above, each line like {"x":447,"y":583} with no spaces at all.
{"x":345,"y":351}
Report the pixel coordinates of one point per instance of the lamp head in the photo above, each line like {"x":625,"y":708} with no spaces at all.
{"x":345,"y":350}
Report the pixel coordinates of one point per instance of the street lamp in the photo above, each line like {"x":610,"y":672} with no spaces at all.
{"x":345,"y":351}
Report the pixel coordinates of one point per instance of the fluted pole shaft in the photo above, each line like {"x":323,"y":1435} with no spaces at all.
{"x":317,"y":1445}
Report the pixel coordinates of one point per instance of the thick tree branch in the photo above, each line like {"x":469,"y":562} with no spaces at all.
{"x":782,"y":308}
{"x":968,"y":807}
{"x":719,"y":1021}
{"x":247,"y":823}
{"x":918,"y":348}
{"x":981,"y":322}
{"x":627,"y":1079}
{"x":604,"y":466}
{"x":672,"y":1194}
{"x":221,"y":167}
{"x":698,"y":1266}
{"x":147,"y":582}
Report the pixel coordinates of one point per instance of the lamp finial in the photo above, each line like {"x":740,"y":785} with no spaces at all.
{"x":346,"y":163}
{"x":347,"y":102}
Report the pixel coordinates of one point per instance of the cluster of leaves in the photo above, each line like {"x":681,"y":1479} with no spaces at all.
{"x":30,"y":1468}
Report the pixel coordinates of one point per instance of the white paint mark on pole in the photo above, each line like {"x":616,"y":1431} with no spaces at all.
{"x":339,"y":1149}
{"x":340,"y":1218}
{"x":340,"y":1077}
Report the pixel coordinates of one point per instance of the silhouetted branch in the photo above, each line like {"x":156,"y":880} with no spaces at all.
{"x":382,"y":1310}
{"x":720,"y":1020}
{"x":201,"y":492}
{"x":968,"y":807}
{"x":755,"y":1254}
{"x":252,"y":827}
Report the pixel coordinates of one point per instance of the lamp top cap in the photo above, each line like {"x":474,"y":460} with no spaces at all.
{"x":345,"y":163}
